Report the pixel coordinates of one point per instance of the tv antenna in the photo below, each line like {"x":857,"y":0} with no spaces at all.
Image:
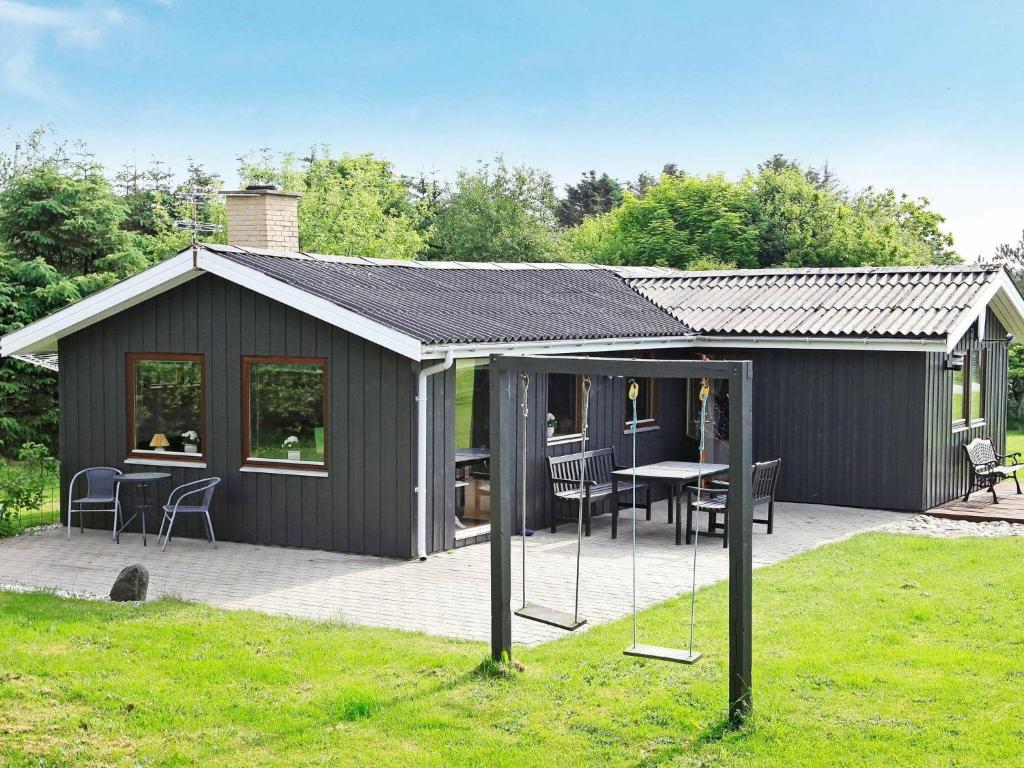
{"x":193,"y":224}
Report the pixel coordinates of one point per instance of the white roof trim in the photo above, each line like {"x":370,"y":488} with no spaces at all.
{"x":41,"y":336}
{"x":555,"y":347}
{"x":303,"y":301}
{"x":860,"y":343}
{"x":1005,"y":300}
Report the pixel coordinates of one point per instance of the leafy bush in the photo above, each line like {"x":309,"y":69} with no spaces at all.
{"x":23,"y":485}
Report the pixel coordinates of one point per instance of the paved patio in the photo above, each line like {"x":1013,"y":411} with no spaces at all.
{"x":446,"y":595}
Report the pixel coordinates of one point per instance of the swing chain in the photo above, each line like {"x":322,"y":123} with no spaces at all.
{"x":524,"y":391}
{"x":585,"y":429}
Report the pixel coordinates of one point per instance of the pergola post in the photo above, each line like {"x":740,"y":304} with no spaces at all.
{"x":503,"y":473}
{"x":740,"y":529}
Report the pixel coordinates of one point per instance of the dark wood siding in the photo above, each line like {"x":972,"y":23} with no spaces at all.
{"x":945,"y":471}
{"x":848,"y":425}
{"x":365,"y":504}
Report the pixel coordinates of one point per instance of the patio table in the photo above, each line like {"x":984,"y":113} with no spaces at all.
{"x":676,"y":475}
{"x":142,"y":482}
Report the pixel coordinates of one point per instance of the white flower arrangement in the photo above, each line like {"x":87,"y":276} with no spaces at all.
{"x":191,"y":437}
{"x":552,"y":421}
{"x":291,"y":443}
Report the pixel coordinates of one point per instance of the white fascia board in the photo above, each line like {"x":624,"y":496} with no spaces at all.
{"x":1006,"y":302}
{"x":688,"y":342}
{"x":561,"y":347}
{"x":1008,"y":306}
{"x":42,"y":335}
{"x":860,"y":343}
{"x":301,"y":300}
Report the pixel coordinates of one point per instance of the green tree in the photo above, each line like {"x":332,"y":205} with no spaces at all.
{"x":798,"y":223}
{"x":683,"y":220}
{"x":891,"y":228}
{"x":69,"y":222}
{"x":590,"y":196}
{"x":1011,"y":256}
{"x":354,"y":205}
{"x":497,"y":213}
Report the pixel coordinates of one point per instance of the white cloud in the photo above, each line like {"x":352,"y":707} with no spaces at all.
{"x":30,"y":28}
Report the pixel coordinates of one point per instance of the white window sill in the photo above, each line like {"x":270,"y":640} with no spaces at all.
{"x":565,"y":439}
{"x":471,"y":533}
{"x":298,"y":471}
{"x":193,"y":464}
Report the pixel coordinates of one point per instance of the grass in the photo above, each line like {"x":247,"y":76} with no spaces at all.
{"x":1014,"y":441}
{"x":880,"y":651}
{"x":48,"y":513}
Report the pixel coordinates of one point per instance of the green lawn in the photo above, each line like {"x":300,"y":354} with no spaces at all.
{"x":883,"y":651}
{"x":1014,"y":441}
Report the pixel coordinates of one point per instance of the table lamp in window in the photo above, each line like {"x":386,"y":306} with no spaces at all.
{"x":159,"y":442}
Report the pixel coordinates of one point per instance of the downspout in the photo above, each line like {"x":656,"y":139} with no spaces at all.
{"x":421,"y":451}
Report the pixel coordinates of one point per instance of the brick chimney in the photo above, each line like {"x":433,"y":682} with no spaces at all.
{"x":263,"y":217}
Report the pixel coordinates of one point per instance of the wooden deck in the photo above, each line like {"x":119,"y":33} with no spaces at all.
{"x":981,"y":509}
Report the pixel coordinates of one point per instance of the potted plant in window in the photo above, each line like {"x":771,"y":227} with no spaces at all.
{"x":190,"y":440}
{"x":552,"y":423}
{"x":291,"y":444}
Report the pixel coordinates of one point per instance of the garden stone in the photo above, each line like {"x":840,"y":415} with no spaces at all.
{"x":131,"y":584}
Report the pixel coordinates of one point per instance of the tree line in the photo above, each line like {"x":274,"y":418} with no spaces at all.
{"x":69,"y":226}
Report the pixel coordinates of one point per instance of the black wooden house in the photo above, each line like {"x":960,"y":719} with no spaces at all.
{"x":343,"y":400}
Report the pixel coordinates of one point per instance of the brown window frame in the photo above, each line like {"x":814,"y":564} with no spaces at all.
{"x":577,"y":417}
{"x":130,"y":359}
{"x":283,"y":464}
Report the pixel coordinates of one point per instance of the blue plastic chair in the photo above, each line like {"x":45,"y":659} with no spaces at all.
{"x":174,"y":507}
{"x":101,"y":487}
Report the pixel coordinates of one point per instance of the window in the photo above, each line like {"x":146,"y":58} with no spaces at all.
{"x":166,"y":406}
{"x":958,"y":396}
{"x":472,"y":438}
{"x":969,"y":388}
{"x":472,"y":403}
{"x":284,"y":411}
{"x":646,"y":404}
{"x":563,"y":414}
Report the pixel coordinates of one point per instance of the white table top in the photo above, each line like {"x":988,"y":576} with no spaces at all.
{"x":681,"y":471}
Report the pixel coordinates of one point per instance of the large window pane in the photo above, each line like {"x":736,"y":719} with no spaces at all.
{"x":958,"y":395}
{"x":166,"y":408}
{"x":472,"y":403}
{"x":563,"y":396}
{"x":286,"y":409}
{"x":645,"y":402}
{"x":977,"y":402}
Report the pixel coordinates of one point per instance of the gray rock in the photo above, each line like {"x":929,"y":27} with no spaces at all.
{"x":131,"y":584}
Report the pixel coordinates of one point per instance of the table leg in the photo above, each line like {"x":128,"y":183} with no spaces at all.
{"x":671,"y":501}
{"x":679,"y":521}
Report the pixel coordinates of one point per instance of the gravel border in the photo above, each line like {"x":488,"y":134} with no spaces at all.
{"x":947,"y":528}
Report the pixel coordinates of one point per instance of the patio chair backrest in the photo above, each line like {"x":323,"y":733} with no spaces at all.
{"x":981,"y":454}
{"x":198,"y":494}
{"x":766,"y":478}
{"x":565,"y":470}
{"x":99,"y":482}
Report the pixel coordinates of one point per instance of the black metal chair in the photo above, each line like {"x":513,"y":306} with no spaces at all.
{"x":989,"y":468}
{"x":174,"y":507}
{"x":714,"y":499}
{"x":101,"y":488}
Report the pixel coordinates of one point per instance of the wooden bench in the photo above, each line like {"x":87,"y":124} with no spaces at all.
{"x":989,"y":467}
{"x":600,"y":463}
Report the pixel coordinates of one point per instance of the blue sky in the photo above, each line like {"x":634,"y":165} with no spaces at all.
{"x":925,"y":97}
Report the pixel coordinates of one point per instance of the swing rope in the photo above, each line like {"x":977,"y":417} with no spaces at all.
{"x":531,"y":611}
{"x":705,"y":391}
{"x":524,"y":388}
{"x":648,"y":651}
{"x":583,"y":479}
